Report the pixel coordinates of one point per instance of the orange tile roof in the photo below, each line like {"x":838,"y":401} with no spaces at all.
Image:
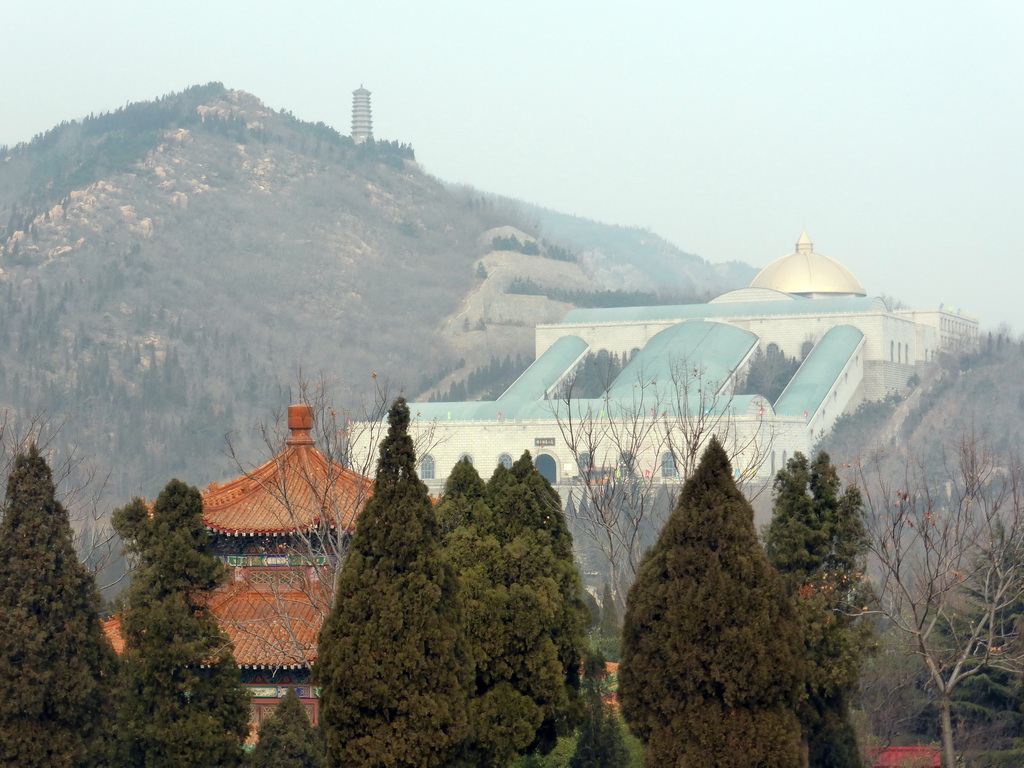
{"x":296,"y":490}
{"x":905,"y":757}
{"x":266,"y":628}
{"x":271,"y":628}
{"x":112,"y":630}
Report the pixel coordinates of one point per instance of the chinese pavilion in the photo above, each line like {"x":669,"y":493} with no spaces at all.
{"x":279,"y":530}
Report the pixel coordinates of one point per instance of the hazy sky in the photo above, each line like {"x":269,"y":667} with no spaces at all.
{"x":892,"y":131}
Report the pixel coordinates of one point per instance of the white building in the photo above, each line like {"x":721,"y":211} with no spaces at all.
{"x":362,"y":117}
{"x":684,"y":365}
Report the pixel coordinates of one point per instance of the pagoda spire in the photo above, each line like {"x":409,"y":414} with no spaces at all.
{"x":362,"y":119}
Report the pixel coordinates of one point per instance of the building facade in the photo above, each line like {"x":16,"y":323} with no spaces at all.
{"x":681,"y":383}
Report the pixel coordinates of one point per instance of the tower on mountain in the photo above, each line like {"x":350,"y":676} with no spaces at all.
{"x":362,"y":122}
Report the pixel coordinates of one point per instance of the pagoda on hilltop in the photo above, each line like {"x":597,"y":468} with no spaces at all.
{"x":362,"y":116}
{"x":279,"y":530}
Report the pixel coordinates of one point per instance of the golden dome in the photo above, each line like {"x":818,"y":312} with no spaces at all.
{"x":807,"y":273}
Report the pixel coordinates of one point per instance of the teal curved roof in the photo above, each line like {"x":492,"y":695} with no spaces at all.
{"x":800,"y":305}
{"x":705,"y":353}
{"x":536,"y":380}
{"x":816,"y":375}
{"x":523,"y":400}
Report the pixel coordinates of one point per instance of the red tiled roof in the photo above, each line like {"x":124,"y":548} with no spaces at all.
{"x":908,"y":757}
{"x":266,"y":628}
{"x":271,"y":628}
{"x":112,"y":629}
{"x":296,"y":490}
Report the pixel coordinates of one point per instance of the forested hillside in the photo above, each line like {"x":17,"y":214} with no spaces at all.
{"x":167,"y":270}
{"x":170,"y":267}
{"x":973,"y":391}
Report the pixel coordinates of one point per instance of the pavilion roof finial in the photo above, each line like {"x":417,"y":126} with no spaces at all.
{"x":300,"y":422}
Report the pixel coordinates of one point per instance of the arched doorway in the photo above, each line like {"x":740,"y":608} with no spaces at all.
{"x":546,"y":466}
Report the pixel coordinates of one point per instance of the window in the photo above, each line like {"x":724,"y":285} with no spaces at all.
{"x":892,"y":351}
{"x":504,"y":461}
{"x":271,"y":578}
{"x":466,"y":457}
{"x":668,"y":465}
{"x":585,"y":463}
{"x":427,"y":467}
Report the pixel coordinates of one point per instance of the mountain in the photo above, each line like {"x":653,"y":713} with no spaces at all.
{"x":638,"y":259}
{"x":169,"y":271}
{"x":972,"y":392}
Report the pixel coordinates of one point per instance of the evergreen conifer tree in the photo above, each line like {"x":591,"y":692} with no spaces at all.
{"x":609,"y":614}
{"x":601,"y":742}
{"x":817,"y":541}
{"x":287,"y":739}
{"x":392,"y":659}
{"x":462,"y":503}
{"x":56,"y":668}
{"x":182,"y":703}
{"x":512,"y":606}
{"x":524,"y":504}
{"x":711,"y":666}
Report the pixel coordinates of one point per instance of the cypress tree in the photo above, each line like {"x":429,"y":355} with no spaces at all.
{"x":711,"y":667}
{"x":527,"y":507}
{"x":817,"y":541}
{"x":56,"y":668}
{"x":609,"y":615}
{"x":392,"y":660}
{"x":512,"y":605}
{"x":601,"y":742}
{"x":462,"y":503}
{"x":287,"y":739}
{"x":182,"y":703}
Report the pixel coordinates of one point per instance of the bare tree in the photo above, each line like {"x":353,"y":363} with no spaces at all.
{"x":81,"y":488}
{"x":949,"y":553}
{"x":634,"y":454}
{"x":318,"y":492}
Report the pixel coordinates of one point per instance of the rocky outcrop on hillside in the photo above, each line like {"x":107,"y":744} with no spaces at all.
{"x":170,"y":270}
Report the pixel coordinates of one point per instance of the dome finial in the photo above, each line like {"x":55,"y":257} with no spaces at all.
{"x":804,"y":244}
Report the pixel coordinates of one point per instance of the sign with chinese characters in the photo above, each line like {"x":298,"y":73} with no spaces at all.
{"x":543,"y":442}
